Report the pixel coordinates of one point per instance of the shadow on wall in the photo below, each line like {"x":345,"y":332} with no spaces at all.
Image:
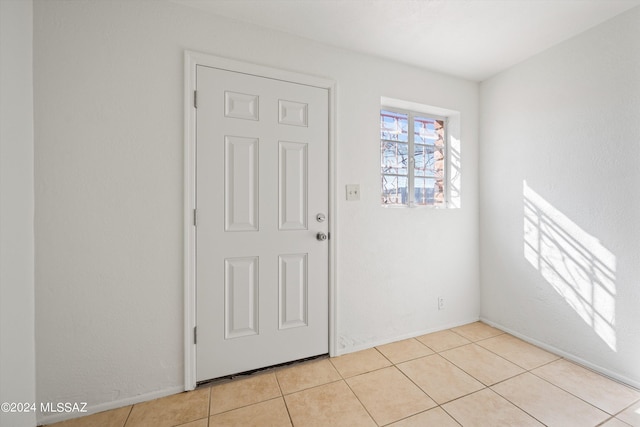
{"x":573,"y":262}
{"x":454,"y":170}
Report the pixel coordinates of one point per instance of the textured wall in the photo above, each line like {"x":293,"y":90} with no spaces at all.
{"x":108,"y":79}
{"x":560,"y":197}
{"x":17,"y":354}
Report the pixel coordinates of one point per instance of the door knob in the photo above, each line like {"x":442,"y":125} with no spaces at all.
{"x":321,"y":236}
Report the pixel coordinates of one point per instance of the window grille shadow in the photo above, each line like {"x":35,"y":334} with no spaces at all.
{"x":454,"y":171}
{"x":573,"y":262}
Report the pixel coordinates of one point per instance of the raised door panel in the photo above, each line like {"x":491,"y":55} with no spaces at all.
{"x":293,"y":185}
{"x":241,"y":297}
{"x":293,"y":289}
{"x":241,"y":184}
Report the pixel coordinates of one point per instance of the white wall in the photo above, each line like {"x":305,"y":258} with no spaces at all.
{"x":108,"y":79}
{"x":17,"y":358}
{"x":560,"y":133}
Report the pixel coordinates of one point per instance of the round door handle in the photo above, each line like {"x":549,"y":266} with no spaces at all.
{"x":321,"y":236}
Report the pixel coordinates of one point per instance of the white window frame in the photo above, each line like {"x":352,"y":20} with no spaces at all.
{"x":410,"y":167}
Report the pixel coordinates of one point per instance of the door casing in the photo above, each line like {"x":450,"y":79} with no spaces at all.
{"x":193,"y":59}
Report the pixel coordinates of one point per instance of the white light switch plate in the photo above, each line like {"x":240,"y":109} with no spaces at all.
{"x":353,"y":192}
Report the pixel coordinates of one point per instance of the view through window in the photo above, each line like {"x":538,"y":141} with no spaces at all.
{"x":412,"y":158}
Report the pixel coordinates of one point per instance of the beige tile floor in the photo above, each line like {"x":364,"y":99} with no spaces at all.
{"x":472,"y":375}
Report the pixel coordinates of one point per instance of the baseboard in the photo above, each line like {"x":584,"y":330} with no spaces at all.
{"x":572,"y":357}
{"x":54,"y":418}
{"x":388,"y":340}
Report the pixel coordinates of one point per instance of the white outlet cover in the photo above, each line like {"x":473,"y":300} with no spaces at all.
{"x":353,"y":192}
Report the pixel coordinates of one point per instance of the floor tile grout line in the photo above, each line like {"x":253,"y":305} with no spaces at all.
{"x":362,"y":373}
{"x":468,"y":373}
{"x":479,"y":339}
{"x":406,"y":339}
{"x":463,"y":396}
{"x":361,"y":403}
{"x":515,"y":405}
{"x":367,"y":372}
{"x":414,"y":383}
{"x":457,"y":345}
{"x":337,"y":370}
{"x":438,"y":405}
{"x":394,"y":365}
{"x":515,"y":363}
{"x":312,"y":387}
{"x":382,"y":354}
{"x":416,"y":338}
{"x":210,"y":401}
{"x":634,"y":403}
{"x":502,"y":357}
{"x":510,"y":378}
{"x":235,"y":409}
{"x":126,"y":420}
{"x":592,"y":371}
{"x":451,"y":415}
{"x":486,"y":386}
{"x":553,"y":361}
{"x":279,"y":385}
{"x":452,"y":348}
{"x":613,"y":418}
{"x":411,"y":380}
{"x":570,"y":393}
{"x":286,"y":406}
{"x":460,"y":335}
{"x":530,"y":414}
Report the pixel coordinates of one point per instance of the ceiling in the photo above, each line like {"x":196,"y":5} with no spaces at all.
{"x":473,"y":39}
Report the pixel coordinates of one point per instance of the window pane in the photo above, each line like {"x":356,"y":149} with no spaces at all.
{"x":424,"y":131}
{"x":394,"y":158}
{"x":439,"y":125}
{"x":394,"y":190}
{"x":428,"y":131}
{"x":429,"y":161}
{"x":394,"y":126}
{"x":424,"y":191}
{"x":424,"y":160}
{"x":428,"y":191}
{"x":438,"y":163}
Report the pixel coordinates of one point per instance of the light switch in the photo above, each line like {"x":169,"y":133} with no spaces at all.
{"x":353,"y":192}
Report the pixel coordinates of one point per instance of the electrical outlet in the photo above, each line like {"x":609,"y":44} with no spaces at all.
{"x":353,"y":192}
{"x":440,"y":303}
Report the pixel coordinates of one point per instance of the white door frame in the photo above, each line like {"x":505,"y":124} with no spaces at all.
{"x":192,"y":60}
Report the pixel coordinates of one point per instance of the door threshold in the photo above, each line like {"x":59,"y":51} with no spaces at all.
{"x":246,"y":374}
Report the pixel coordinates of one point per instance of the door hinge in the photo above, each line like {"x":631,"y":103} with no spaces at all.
{"x":195,"y":99}
{"x":195,"y":217}
{"x":195,"y":335}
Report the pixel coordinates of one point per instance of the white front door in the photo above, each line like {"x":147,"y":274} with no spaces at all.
{"x":262,"y":211}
